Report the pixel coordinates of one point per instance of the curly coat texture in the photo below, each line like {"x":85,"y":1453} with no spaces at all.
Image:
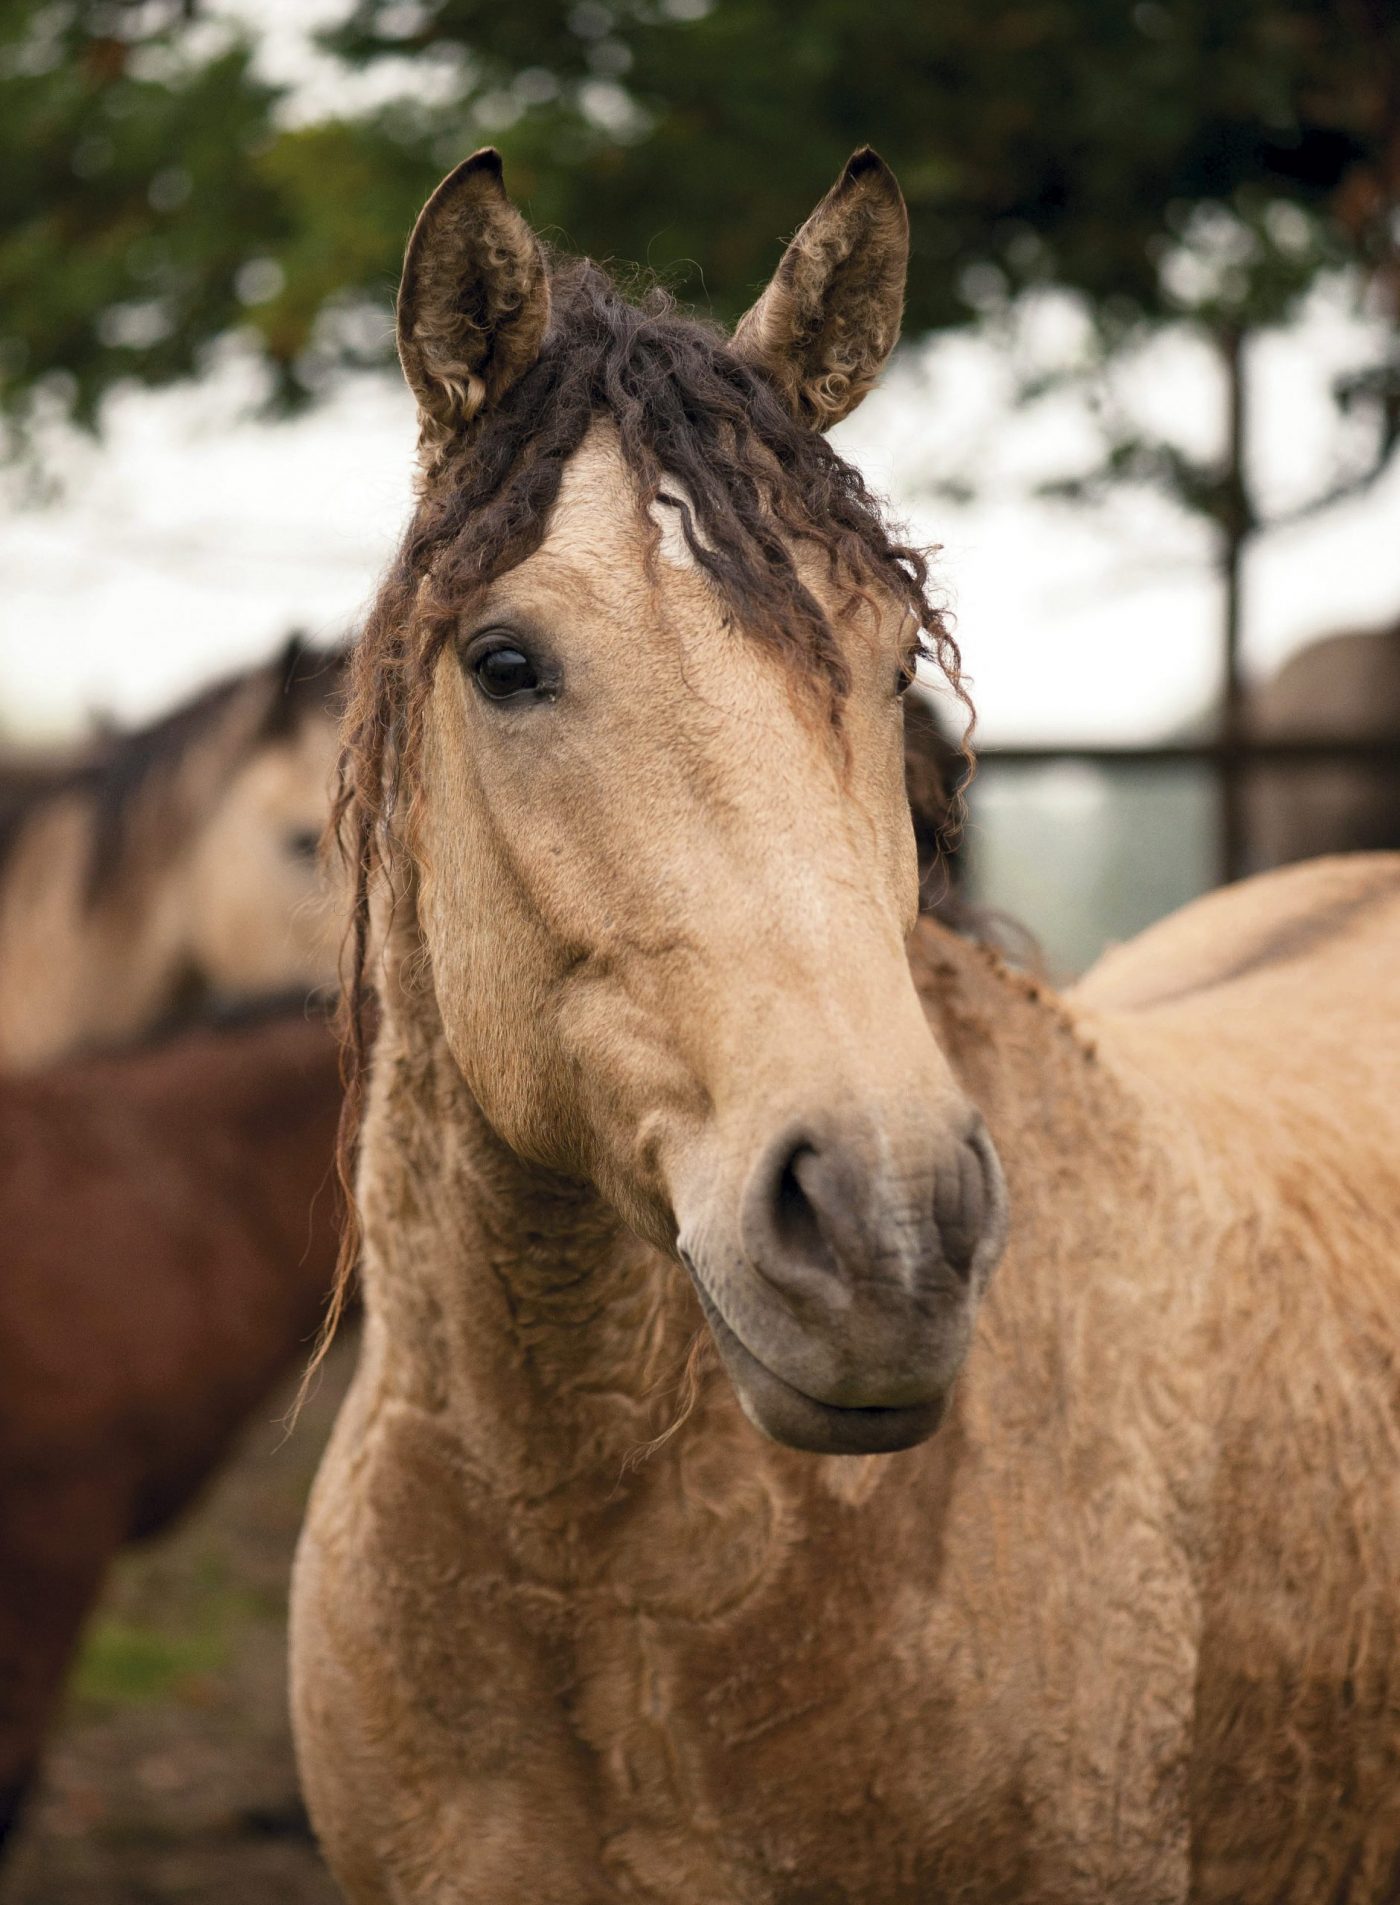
{"x":1125,"y":1631}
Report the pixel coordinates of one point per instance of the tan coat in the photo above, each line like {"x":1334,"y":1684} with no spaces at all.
{"x":661,"y":1037}
{"x":1127,"y":1629}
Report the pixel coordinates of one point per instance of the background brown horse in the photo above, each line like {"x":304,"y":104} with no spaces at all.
{"x":171,"y":1228}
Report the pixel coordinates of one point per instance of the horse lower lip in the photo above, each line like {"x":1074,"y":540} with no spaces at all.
{"x":791,"y":1416}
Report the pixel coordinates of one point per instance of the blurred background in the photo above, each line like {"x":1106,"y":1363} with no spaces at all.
{"x":1148,"y":403}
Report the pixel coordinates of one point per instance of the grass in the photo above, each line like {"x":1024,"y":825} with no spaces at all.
{"x":137,"y":1653}
{"x":125,"y":1664}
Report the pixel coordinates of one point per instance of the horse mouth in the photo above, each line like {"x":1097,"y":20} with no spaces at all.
{"x":788,"y":1415}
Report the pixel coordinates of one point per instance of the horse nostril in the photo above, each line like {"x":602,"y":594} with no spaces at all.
{"x":965,"y":1201}
{"x":823,"y":1221}
{"x":788,"y":1218}
{"x":797,"y":1225}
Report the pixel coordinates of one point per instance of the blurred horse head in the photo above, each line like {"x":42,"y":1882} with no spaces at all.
{"x":1343,"y":687}
{"x":176,"y":863}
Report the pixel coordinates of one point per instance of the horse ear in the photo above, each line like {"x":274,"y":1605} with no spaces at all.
{"x":829,"y":319}
{"x":473,"y":300}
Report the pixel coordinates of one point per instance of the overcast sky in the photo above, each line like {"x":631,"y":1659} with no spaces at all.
{"x":192,"y":538}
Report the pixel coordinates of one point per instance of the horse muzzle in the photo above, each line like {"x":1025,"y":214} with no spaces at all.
{"x":842,"y":1301}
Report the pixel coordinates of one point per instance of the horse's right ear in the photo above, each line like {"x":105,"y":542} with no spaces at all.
{"x":473,"y":300}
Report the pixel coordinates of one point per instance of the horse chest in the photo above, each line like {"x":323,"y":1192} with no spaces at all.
{"x":911,"y":1701}
{"x":815,"y":1774}
{"x":821,"y":1742}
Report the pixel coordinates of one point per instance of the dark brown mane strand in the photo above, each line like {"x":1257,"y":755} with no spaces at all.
{"x":26,"y":785}
{"x":686,"y":409}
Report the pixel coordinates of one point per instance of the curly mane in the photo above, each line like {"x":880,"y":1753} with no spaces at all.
{"x":685,"y":408}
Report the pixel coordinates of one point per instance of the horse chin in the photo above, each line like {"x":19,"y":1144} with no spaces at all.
{"x":787,"y":1415}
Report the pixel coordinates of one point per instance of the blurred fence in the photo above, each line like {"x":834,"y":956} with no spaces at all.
{"x":1092,"y":842}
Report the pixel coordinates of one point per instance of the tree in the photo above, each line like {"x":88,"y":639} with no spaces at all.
{"x":1061,"y":141}
{"x":134,"y":213}
{"x":1170,"y":162}
{"x":156,"y":201}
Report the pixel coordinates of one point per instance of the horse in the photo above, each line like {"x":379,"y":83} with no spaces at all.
{"x":172,"y":1233}
{"x":835,"y":1418}
{"x":1342,"y":687}
{"x":173,"y":864}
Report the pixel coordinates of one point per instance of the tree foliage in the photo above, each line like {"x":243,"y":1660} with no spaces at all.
{"x":132,"y":199}
{"x":1075,"y":142}
{"x":1169,"y":161}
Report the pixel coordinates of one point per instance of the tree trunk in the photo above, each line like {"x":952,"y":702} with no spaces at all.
{"x":1236,"y":524}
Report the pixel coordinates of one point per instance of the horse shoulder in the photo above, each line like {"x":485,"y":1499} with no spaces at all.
{"x":408,"y":1652}
{"x":1264,"y":1024}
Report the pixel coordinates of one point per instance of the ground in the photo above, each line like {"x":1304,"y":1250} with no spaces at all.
{"x":170,"y":1778}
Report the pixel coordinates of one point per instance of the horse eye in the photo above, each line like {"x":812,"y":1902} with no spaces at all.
{"x":503,"y":672}
{"x":303,"y":843}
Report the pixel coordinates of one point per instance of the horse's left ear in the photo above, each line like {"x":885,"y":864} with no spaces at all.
{"x":473,"y":300}
{"x":829,"y":319}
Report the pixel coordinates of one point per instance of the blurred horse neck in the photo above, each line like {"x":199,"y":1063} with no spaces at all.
{"x":78,"y":969}
{"x":171,"y":1231}
{"x":207,"y":1174}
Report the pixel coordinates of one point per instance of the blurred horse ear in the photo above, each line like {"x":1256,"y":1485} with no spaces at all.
{"x":829,"y":319}
{"x":473,"y":300}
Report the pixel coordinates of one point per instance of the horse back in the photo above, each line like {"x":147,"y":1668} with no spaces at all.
{"x":1308,"y":927}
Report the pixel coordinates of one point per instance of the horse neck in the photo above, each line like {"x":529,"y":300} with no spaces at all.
{"x":75,"y":969}
{"x":516,"y":1304}
{"x":1016,"y":1046}
{"x":509,"y":1298}
{"x":1125,"y":1228}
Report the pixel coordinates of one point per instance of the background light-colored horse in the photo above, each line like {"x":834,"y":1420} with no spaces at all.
{"x":658,"y":1052}
{"x":1345,"y":687}
{"x":176,"y":863}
